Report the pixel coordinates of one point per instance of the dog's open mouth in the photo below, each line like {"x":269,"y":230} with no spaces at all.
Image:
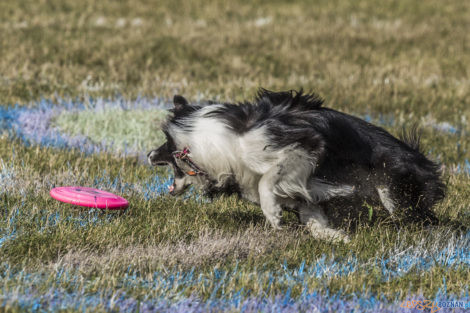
{"x":174,"y":190}
{"x":158,"y":163}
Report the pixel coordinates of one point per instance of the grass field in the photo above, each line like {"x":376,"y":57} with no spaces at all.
{"x":83,"y":90}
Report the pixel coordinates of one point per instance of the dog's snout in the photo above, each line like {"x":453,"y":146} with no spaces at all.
{"x":160,"y":156}
{"x":151,"y":157}
{"x":154,"y":158}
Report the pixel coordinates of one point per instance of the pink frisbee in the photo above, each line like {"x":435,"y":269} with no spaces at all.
{"x":89,"y":197}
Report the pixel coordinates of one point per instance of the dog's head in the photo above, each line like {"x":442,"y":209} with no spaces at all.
{"x":166,"y":154}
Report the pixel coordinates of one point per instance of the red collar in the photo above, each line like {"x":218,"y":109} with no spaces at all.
{"x":184,"y":156}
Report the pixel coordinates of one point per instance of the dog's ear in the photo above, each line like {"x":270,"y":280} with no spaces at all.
{"x":179,"y":102}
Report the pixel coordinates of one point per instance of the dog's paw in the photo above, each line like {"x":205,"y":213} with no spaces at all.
{"x":329,"y":234}
{"x":274,"y":224}
{"x":341,"y":236}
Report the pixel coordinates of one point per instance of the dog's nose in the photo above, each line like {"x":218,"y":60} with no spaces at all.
{"x":151,"y":157}
{"x":171,"y":189}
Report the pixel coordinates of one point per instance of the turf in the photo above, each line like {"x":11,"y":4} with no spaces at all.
{"x":123,"y":129}
{"x":83,"y":89}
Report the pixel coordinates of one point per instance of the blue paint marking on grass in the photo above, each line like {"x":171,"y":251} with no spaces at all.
{"x":454,"y":254}
{"x":174,"y":284}
{"x":5,"y":237}
{"x":381,"y":119}
{"x":463,"y":168}
{"x":447,"y":127}
{"x":390,"y":120}
{"x":8,"y":229}
{"x":46,"y":221}
{"x":80,"y":219}
{"x":33,"y":125}
{"x":152,"y":188}
{"x":75,"y":297}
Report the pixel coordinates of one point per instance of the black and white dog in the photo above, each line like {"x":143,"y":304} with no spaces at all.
{"x":285,"y":150}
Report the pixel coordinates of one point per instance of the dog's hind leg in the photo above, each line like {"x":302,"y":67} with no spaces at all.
{"x":317,"y":223}
{"x":397,"y":200}
{"x":386,"y":199}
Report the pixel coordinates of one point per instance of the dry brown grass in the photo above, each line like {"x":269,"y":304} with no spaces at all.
{"x":397,"y":57}
{"x":210,"y":248}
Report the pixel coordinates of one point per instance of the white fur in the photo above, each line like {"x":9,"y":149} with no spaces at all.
{"x":208,"y":135}
{"x":323,"y":191}
{"x":316,"y":221}
{"x":268,"y":176}
{"x":385,"y":198}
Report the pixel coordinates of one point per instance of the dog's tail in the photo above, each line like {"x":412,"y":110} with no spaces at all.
{"x":416,"y":182}
{"x":417,"y":186}
{"x":411,"y":137}
{"x":417,"y":195}
{"x":431,"y":188}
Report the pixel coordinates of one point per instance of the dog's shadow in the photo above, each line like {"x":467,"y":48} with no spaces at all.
{"x":350,"y":215}
{"x":241,"y":218}
{"x":346,"y":214}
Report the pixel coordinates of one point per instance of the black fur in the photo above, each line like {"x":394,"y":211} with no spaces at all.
{"x":350,"y":150}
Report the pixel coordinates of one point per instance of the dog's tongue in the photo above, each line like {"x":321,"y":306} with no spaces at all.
{"x":171,"y":188}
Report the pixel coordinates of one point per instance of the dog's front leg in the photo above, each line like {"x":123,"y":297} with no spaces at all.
{"x":285,"y":179}
{"x":268,"y":200}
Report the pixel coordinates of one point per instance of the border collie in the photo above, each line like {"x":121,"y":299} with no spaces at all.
{"x":285,"y":150}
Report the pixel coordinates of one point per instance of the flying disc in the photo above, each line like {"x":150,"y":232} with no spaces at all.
{"x":89,"y":197}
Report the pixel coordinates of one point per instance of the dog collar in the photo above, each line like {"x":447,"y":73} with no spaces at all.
{"x":184,"y":156}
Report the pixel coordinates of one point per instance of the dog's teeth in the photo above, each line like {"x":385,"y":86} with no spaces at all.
{"x":171,"y":188}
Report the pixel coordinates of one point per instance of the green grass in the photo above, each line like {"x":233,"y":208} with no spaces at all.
{"x":404,"y":59}
{"x":139,"y":129}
